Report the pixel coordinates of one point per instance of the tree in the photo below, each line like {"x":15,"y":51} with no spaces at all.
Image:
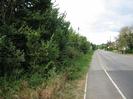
{"x":36,"y":38}
{"x":125,"y":39}
{"x":10,"y":57}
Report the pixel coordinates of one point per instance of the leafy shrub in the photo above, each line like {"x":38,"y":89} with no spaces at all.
{"x":10,"y":57}
{"x":36,"y":42}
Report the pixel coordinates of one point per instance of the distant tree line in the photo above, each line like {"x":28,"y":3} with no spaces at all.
{"x":35,"y":38}
{"x":124,"y":41}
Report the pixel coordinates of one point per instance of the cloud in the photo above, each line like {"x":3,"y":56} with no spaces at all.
{"x":98,"y":19}
{"x":118,"y":13}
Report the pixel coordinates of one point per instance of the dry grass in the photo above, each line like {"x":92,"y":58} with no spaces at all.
{"x":43,"y":92}
{"x":72,"y":90}
{"x":58,"y":88}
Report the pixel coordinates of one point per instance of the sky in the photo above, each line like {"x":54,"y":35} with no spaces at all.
{"x":98,"y":20}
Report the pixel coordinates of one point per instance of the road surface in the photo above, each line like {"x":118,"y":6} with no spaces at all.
{"x":110,"y":76}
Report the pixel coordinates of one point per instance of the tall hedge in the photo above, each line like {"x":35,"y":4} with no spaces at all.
{"x":34,"y":37}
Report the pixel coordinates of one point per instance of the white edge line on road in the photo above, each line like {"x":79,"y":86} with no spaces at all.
{"x":85,"y":90}
{"x":120,"y":92}
{"x":122,"y":95}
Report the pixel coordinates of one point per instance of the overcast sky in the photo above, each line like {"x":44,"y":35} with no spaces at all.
{"x":98,"y":20}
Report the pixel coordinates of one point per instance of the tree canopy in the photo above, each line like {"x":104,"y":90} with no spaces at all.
{"x":125,"y":39}
{"x":34,"y":37}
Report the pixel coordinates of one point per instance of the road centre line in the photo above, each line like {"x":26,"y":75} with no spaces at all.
{"x":115,"y":85}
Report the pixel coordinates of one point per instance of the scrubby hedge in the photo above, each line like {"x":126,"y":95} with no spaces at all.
{"x":35,"y":38}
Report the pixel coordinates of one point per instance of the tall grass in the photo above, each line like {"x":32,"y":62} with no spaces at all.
{"x":80,"y":66}
{"x":74,"y":86}
{"x":57,"y":86}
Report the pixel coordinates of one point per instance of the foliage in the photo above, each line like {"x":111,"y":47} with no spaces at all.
{"x":36,"y":40}
{"x":125,"y":39}
{"x":10,"y":57}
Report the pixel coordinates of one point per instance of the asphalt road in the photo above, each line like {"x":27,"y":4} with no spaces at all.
{"x":110,"y":76}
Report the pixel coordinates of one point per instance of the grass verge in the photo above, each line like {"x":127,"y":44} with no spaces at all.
{"x":74,"y":87}
{"x":66,"y":85}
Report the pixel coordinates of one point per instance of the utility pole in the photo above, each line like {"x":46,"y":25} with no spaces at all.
{"x":110,"y":39}
{"x":78,"y":29}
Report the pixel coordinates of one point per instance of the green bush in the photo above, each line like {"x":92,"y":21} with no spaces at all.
{"x":10,"y":57}
{"x":36,"y":42}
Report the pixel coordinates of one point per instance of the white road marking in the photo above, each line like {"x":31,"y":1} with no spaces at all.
{"x":85,"y":86}
{"x":122,"y":95}
{"x":118,"y":89}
